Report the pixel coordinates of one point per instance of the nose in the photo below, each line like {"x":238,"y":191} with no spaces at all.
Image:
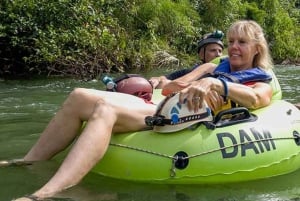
{"x":234,"y":44}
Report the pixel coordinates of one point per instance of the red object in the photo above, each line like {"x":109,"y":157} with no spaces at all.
{"x":137,"y":86}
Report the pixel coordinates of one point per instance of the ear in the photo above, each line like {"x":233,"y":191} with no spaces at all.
{"x":201,"y":53}
{"x":257,"y":50}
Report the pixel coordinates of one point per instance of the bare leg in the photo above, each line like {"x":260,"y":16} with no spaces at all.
{"x":64,"y":126}
{"x":109,"y":115}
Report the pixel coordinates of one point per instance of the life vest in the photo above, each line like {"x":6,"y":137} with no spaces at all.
{"x":247,"y":77}
{"x":250,"y":76}
{"x":255,"y":74}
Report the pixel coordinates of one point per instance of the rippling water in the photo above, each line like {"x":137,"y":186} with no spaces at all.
{"x":27,"y":106}
{"x":289,"y":78}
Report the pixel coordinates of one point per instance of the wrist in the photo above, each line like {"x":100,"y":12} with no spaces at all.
{"x":162,"y":79}
{"x":225,"y":88}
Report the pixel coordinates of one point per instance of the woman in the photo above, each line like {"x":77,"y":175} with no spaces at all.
{"x":106,"y":115}
{"x":247,"y":52}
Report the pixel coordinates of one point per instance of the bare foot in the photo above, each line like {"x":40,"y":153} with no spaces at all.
{"x":23,"y":199}
{"x":28,"y":198}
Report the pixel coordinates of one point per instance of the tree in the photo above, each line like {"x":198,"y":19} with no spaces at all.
{"x":282,"y":33}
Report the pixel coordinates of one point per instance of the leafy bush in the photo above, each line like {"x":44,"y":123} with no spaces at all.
{"x":283,"y":35}
{"x":85,"y":38}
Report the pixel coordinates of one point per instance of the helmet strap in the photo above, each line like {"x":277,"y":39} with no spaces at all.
{"x":204,"y":54}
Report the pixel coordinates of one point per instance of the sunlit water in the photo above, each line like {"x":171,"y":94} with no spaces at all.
{"x":27,"y":106}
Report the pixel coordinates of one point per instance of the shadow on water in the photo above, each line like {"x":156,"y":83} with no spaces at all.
{"x":21,"y":180}
{"x":268,"y":189}
{"x":27,"y":106}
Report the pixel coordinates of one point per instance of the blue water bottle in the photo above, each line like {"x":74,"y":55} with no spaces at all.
{"x":109,"y":83}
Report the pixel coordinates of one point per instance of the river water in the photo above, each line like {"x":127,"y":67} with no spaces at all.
{"x":27,"y":106}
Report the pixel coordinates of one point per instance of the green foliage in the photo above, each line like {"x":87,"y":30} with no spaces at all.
{"x":218,"y":14}
{"x":88,"y":37}
{"x":253,"y":12}
{"x":280,"y":20}
{"x":66,"y":36}
{"x":282,"y":33}
{"x":168,"y":25}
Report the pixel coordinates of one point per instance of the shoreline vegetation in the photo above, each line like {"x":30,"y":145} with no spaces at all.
{"x":84,"y":39}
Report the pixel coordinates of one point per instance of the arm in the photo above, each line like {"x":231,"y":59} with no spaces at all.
{"x":185,"y":80}
{"x":161,"y":81}
{"x":253,"y":97}
{"x":177,"y":74}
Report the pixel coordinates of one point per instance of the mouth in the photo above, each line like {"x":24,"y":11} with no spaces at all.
{"x":235,"y":55}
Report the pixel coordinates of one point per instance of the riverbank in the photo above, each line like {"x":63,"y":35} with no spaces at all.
{"x":289,"y":62}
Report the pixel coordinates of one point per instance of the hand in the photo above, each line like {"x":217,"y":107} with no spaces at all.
{"x":154,"y":81}
{"x":214,"y":101}
{"x":197,"y":92}
{"x":159,"y":82}
{"x":173,"y":87}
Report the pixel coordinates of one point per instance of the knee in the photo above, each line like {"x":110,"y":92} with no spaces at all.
{"x":76,"y":98}
{"x":104,"y":110}
{"x":76,"y":93}
{"x":102,"y":107}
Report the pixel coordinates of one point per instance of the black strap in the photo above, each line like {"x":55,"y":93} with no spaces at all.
{"x":126,"y":76}
{"x":160,"y":120}
{"x":122,"y":77}
{"x":220,"y":74}
{"x":183,"y":119}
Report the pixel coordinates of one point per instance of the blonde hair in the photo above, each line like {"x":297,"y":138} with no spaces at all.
{"x":253,"y":31}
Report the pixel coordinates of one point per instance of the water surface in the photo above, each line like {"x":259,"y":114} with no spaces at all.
{"x":27,"y":106}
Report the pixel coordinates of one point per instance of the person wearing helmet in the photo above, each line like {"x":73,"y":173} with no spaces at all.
{"x":133,"y":84}
{"x":108,"y":113}
{"x":209,"y":48}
